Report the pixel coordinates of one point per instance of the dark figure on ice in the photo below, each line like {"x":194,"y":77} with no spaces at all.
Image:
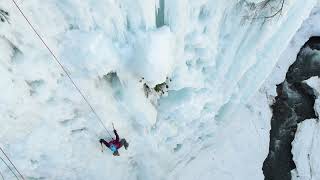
{"x":115,"y":144}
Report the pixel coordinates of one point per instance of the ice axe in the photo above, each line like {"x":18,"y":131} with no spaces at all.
{"x":101,"y":147}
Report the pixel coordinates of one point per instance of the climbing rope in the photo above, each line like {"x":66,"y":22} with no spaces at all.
{"x":63,"y":68}
{"x":9,"y":167}
{"x":12,"y":163}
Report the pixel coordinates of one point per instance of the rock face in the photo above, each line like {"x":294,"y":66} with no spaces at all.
{"x":294,"y":104}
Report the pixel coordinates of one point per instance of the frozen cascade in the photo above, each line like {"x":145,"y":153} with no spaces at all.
{"x":216,"y":58}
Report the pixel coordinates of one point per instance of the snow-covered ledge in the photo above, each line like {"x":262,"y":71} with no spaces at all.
{"x":306,"y":145}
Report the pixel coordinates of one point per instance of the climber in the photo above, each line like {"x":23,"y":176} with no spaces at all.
{"x":115,"y":144}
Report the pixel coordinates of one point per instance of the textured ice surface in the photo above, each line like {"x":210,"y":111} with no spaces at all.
{"x":212,"y":124}
{"x":306,"y":151}
{"x":306,"y":144}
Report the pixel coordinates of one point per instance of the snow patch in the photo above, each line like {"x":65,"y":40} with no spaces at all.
{"x":305,"y":150}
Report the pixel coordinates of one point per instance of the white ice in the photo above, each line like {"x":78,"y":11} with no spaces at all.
{"x":213,"y":123}
{"x":306,"y":145}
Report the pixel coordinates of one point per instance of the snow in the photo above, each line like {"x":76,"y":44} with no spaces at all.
{"x":306,"y":144}
{"x":214,"y":118}
{"x":306,"y":151}
{"x":308,"y":29}
{"x":153,"y":56}
{"x":314,"y":82}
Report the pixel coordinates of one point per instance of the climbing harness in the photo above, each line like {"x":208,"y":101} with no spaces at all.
{"x":113,"y":148}
{"x":62,"y":67}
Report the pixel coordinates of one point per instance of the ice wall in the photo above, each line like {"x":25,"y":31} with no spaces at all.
{"x":215,"y":55}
